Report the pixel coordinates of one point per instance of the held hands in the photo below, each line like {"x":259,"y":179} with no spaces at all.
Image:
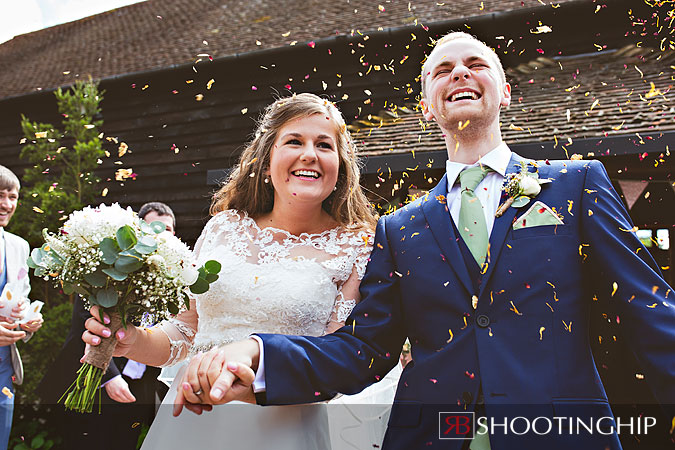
{"x":219,"y":376}
{"x":95,"y":330}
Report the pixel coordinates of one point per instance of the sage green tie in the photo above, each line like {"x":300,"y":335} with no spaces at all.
{"x":472,"y":226}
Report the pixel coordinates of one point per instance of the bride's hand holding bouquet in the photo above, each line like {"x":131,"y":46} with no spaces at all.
{"x":128,"y":270}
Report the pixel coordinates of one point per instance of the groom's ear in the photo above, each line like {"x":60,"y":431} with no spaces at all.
{"x":426,"y":110}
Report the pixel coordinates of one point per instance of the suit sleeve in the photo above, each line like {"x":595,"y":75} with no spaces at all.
{"x":302,"y":369}
{"x":639,"y":295}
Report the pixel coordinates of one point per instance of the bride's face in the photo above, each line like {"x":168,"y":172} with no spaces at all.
{"x":304,"y":161}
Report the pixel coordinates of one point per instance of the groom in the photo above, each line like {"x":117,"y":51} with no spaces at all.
{"x":496,"y":308}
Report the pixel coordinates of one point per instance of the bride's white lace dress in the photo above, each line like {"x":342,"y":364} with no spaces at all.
{"x":272,"y":282}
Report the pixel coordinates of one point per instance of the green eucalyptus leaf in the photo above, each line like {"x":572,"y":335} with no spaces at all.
{"x":211,"y":277}
{"x":36,"y":256}
{"x":93,"y":301}
{"x":521,"y":201}
{"x":31,"y":263}
{"x":40,"y":272}
{"x":68,"y":288}
{"x":212,"y":266}
{"x":202,"y":272}
{"x":126,"y":237}
{"x":146,"y":228}
{"x":81,"y":290}
{"x":158,"y":227}
{"x":146,"y":245}
{"x":115,"y":274}
{"x":107,"y":298}
{"x":128,"y":264}
{"x":173,"y":309}
{"x":110,"y":250}
{"x":186,"y":301}
{"x":200,"y":286}
{"x":97,"y":279}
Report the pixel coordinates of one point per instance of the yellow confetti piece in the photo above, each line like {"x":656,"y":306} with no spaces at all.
{"x":210,"y":83}
{"x":122,"y":150}
{"x":463,"y":125}
{"x":135,"y":424}
{"x":371,"y":362}
{"x":514,"y":309}
{"x":105,"y":192}
{"x":474,"y":302}
{"x":570,"y":203}
{"x":40,"y":134}
{"x":549,"y":307}
{"x":244,"y":110}
{"x":38,"y":210}
{"x":541,"y":333}
{"x":567,"y":327}
{"x":7,"y":391}
{"x":652,"y":306}
{"x":451,"y":336}
{"x":615,"y":287}
{"x":199,"y":97}
{"x":654,"y":289}
{"x":590,"y":213}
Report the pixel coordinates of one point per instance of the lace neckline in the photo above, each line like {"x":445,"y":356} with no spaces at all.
{"x":254,"y":224}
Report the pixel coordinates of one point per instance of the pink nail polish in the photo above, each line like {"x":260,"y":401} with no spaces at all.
{"x":186,"y":387}
{"x":106,"y":320}
{"x":120,"y":334}
{"x":96,"y":340}
{"x":106,"y":333}
{"x":232,"y":366}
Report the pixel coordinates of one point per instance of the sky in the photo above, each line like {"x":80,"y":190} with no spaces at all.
{"x":23,"y":16}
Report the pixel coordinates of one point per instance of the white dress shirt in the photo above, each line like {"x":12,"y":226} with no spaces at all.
{"x":488,"y":192}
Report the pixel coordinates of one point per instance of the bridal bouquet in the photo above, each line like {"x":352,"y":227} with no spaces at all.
{"x":115,"y":260}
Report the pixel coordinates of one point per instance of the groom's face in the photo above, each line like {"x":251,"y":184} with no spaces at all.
{"x":8,"y":201}
{"x":463,"y":84}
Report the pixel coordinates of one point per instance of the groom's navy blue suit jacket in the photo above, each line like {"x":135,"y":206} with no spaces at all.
{"x":526,"y":343}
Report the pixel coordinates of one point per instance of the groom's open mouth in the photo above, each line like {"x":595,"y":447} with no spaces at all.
{"x":312,"y":174}
{"x":463,"y":94}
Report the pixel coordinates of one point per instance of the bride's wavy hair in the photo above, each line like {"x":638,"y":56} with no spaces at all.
{"x":246,"y":190}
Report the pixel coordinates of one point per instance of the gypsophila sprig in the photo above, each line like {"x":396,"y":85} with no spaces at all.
{"x":129,"y":268}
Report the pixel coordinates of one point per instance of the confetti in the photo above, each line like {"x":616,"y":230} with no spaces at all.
{"x":514,"y":309}
{"x":105,"y":192}
{"x":40,"y":134}
{"x":615,"y":287}
{"x":541,"y":333}
{"x":451,"y":336}
{"x":38,"y":210}
{"x":7,"y":391}
{"x":210,"y":83}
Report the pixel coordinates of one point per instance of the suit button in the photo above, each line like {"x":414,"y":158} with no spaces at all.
{"x":483,"y":321}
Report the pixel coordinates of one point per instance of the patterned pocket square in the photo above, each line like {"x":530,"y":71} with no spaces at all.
{"x":538,"y":215}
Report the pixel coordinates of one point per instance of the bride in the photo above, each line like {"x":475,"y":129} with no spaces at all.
{"x":293,"y":232}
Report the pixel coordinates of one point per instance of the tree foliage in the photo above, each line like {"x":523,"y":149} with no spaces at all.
{"x":62,"y":177}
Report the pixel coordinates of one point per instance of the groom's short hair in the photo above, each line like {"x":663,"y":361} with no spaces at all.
{"x":452,"y":36}
{"x":8,"y":180}
{"x":162,"y":209}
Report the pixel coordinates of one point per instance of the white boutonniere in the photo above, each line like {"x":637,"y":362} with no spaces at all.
{"x":521,"y":187}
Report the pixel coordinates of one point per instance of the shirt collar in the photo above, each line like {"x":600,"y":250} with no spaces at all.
{"x":496,"y":159}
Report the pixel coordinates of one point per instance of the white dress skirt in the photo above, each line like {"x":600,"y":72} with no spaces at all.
{"x":274,"y":282}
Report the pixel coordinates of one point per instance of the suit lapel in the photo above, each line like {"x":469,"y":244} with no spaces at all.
{"x":436,"y":212}
{"x":501,"y":227}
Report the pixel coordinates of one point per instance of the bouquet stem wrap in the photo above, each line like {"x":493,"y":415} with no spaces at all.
{"x":81,"y":395}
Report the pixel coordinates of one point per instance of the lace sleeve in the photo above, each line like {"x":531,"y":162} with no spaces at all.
{"x":345,"y":301}
{"x":181,"y":335}
{"x":361,"y":248}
